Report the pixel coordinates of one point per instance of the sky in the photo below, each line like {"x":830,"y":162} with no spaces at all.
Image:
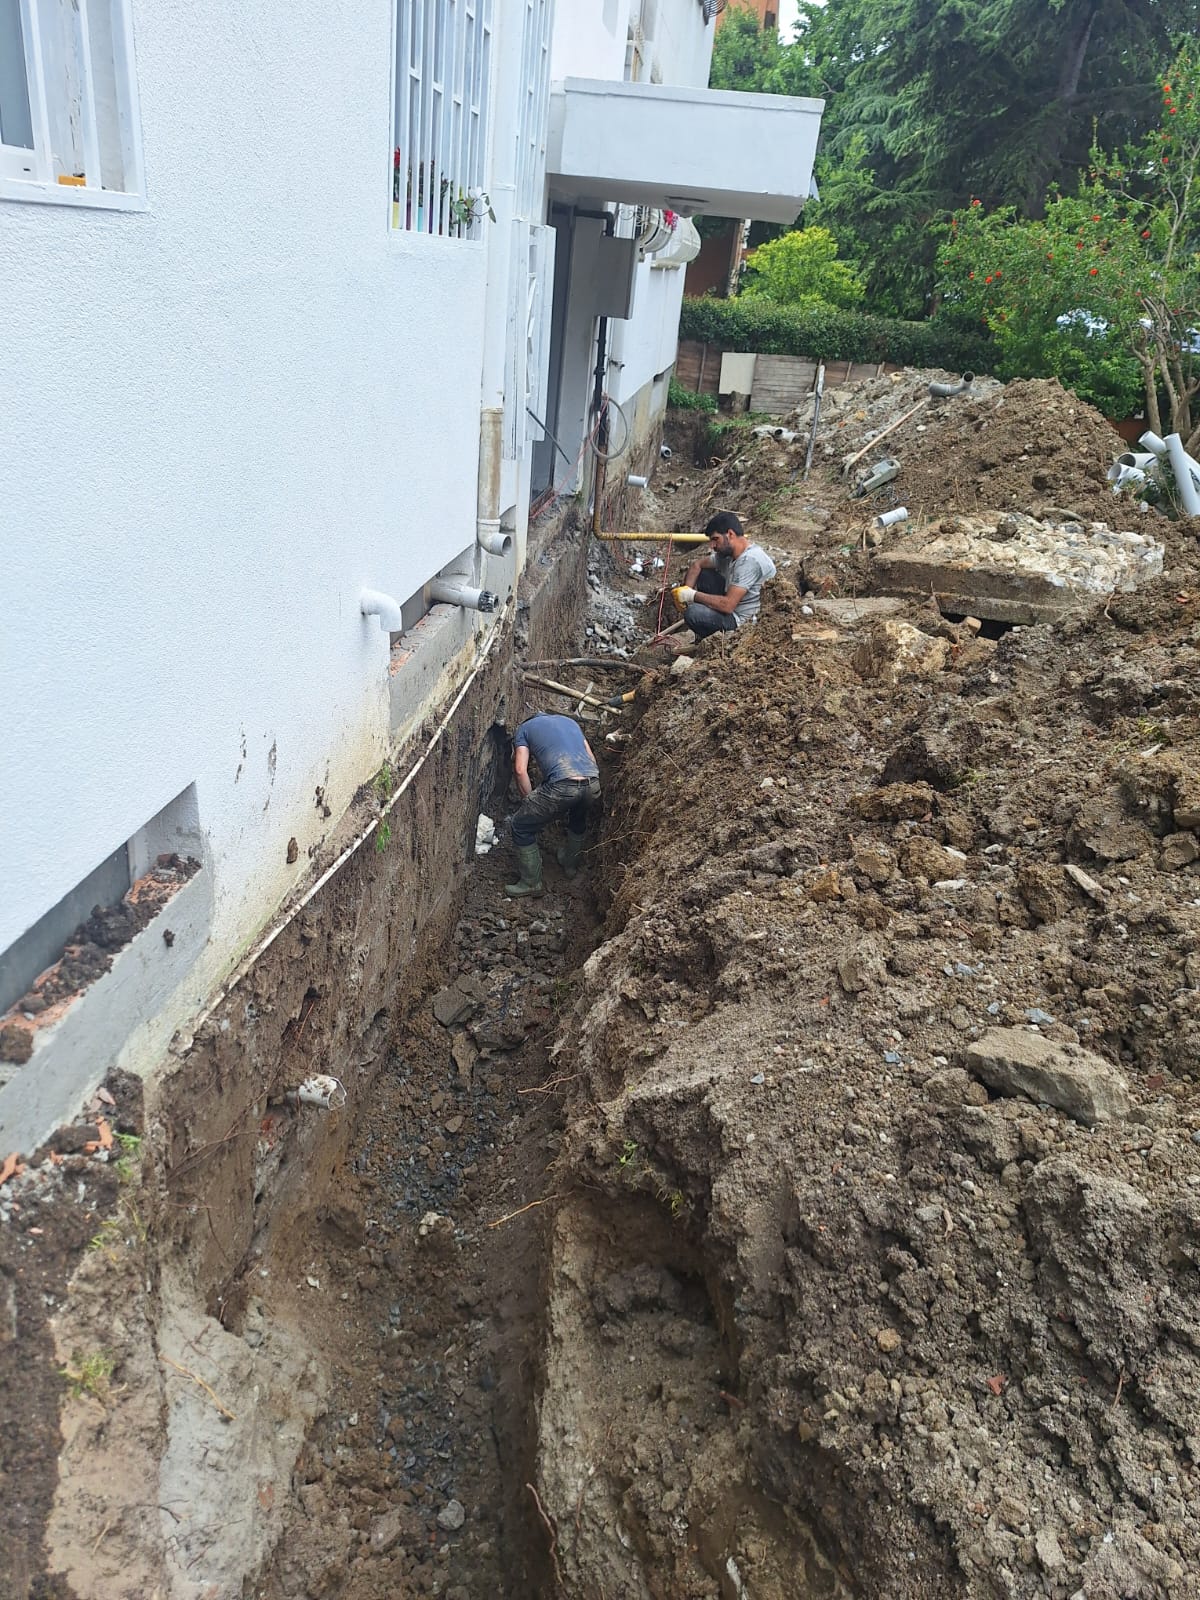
{"x":787,"y":16}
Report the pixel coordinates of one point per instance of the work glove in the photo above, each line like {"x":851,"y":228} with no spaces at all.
{"x":684,"y":596}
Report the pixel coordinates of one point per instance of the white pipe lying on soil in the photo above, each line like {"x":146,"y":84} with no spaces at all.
{"x":944,"y":391}
{"x":889,"y":519}
{"x":1137,"y":458}
{"x":1186,"y":472}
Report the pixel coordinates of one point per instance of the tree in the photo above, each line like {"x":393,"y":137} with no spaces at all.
{"x":802,"y":269}
{"x":928,"y":100}
{"x":1102,"y":289}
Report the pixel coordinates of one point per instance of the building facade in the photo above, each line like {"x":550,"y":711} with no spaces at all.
{"x":302,"y":309}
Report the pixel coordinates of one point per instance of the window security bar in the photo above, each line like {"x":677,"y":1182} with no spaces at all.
{"x":443,"y":77}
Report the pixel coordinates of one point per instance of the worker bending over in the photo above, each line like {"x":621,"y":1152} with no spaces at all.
{"x":722,"y":590}
{"x":570,"y":787}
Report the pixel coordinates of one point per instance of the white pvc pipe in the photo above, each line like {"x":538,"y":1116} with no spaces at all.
{"x":943,"y":391}
{"x":636,"y":482}
{"x":492,"y":537}
{"x":1151,"y":441}
{"x":1186,"y":471}
{"x":889,"y":519}
{"x":444,"y":591}
{"x":1137,"y":458}
{"x":374,"y":603}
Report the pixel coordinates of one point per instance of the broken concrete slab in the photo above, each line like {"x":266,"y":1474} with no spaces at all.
{"x":459,"y":1000}
{"x":1013,"y":568}
{"x":1014,"y":1061}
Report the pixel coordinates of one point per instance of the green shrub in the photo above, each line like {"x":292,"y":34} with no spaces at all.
{"x":686,"y":400}
{"x":828,"y":334}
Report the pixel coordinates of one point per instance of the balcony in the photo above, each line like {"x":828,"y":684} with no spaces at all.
{"x":681,"y":149}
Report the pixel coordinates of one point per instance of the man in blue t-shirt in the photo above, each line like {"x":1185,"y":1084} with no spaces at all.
{"x":570,"y":787}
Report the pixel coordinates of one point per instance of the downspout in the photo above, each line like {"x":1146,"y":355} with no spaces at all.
{"x":599,"y":409}
{"x":502,"y":193}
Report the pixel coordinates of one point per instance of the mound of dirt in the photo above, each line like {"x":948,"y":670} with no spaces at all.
{"x":878,"y":1273}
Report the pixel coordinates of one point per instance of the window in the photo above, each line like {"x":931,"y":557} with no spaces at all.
{"x":535,"y":105}
{"x":68,"y":109}
{"x":443,"y":73}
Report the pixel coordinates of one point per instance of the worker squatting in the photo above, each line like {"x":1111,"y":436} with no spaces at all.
{"x":721,"y":590}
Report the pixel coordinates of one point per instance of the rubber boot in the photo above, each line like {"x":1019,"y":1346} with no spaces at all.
{"x":529,"y":860}
{"x":568,"y":854}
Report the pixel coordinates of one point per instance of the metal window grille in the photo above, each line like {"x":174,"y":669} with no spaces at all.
{"x":68,"y":106}
{"x":535,"y":106}
{"x":443,"y":74}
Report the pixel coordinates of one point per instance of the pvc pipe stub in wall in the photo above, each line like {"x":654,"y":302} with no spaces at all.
{"x":889,"y":519}
{"x":636,"y":482}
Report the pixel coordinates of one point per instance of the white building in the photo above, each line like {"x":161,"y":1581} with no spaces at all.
{"x":283,"y":289}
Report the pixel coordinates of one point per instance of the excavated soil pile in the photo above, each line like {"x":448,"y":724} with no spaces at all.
{"x":1029,"y":445}
{"x":878,"y":1271}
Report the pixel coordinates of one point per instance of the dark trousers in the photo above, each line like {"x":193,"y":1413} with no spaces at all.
{"x":572,"y":798}
{"x":703,"y":620}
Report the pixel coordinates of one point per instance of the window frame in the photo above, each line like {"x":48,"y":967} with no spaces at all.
{"x":28,"y":175}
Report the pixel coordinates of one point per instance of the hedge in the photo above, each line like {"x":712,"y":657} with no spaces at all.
{"x":757,"y":324}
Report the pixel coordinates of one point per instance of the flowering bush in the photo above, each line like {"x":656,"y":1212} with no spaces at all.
{"x":1103,"y":291}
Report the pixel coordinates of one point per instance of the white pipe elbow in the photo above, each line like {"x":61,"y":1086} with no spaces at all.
{"x":493,"y":539}
{"x":374,"y":603}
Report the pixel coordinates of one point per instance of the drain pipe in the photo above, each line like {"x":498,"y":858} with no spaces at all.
{"x":945,"y":391}
{"x":449,"y":592}
{"x":1183,"y":468}
{"x":487,"y":505}
{"x":598,"y":407}
{"x":373,"y":603}
{"x":1150,"y":441}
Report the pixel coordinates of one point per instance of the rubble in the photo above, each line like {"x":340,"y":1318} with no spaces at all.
{"x":1016,"y":1061}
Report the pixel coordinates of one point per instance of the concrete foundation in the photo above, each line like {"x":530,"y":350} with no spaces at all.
{"x":1016,"y":569}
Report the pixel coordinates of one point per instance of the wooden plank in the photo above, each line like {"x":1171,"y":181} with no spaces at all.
{"x":781,"y":383}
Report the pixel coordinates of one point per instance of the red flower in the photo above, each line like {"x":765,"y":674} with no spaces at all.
{"x":1095,"y":219}
{"x":1166,"y":161}
{"x":1094,"y":271}
{"x":970,"y":274}
{"x":999,"y":274}
{"x":1172,"y":110}
{"x":1166,"y":88}
{"x":987,"y":280}
{"x":1145,"y":233}
{"x":976,"y":202}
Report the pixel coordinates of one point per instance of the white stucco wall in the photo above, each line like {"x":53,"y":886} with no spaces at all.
{"x":224,"y":417}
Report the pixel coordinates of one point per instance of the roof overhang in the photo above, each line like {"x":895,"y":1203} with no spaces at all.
{"x":695,"y":151}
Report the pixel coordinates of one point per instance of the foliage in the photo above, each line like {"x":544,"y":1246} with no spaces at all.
{"x":802,"y":269}
{"x":1103,"y":289}
{"x":687,"y":400}
{"x":931,"y":100}
{"x":89,"y":1374}
{"x":752,"y":322}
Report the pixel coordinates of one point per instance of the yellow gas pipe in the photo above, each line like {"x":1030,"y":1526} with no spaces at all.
{"x":654,"y":538}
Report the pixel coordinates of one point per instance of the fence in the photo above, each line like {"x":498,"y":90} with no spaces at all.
{"x":780,"y":382}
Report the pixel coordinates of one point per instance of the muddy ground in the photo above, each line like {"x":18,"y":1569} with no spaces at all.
{"x":803,"y":1201}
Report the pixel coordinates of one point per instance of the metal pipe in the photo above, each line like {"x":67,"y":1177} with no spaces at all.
{"x":653,"y":538}
{"x":599,"y":408}
{"x":374,"y":603}
{"x":444,"y":591}
{"x":944,"y":391}
{"x":1184,"y":469}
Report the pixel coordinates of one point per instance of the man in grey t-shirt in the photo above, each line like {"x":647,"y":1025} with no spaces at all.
{"x":723,"y":589}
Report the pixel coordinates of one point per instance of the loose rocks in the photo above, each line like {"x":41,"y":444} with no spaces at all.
{"x":1013,"y":1061}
